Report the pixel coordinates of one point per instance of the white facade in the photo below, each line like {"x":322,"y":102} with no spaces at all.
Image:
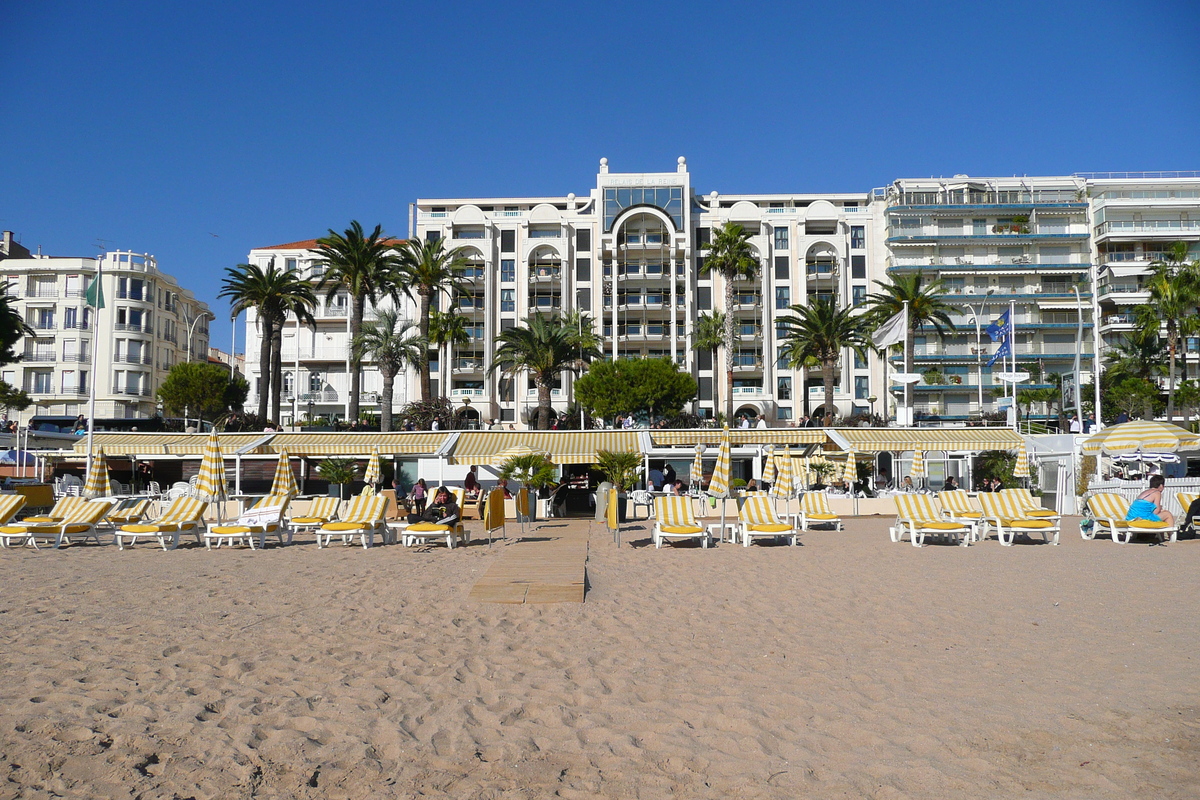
{"x":628,"y":253}
{"x":143,"y":330}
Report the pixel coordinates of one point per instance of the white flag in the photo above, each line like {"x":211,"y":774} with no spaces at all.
{"x":892,"y":331}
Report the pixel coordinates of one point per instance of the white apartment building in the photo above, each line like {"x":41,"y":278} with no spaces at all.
{"x":628,"y":253}
{"x":148,"y":323}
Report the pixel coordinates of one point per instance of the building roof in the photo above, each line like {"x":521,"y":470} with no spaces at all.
{"x":311,"y":244}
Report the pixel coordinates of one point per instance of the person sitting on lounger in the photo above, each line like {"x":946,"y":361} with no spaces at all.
{"x":1148,"y":505}
{"x":442,"y":511}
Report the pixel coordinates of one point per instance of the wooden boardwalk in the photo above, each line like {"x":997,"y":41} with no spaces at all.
{"x":551,"y":567}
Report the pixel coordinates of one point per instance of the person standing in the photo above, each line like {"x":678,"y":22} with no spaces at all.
{"x":419,"y":496}
{"x":669,"y":474}
{"x":1076,"y":425}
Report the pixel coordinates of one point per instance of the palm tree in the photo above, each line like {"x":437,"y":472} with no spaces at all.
{"x":1174,"y":291}
{"x":273,"y":293}
{"x":392,"y":344}
{"x":710,"y":335}
{"x":925,"y":307}
{"x":821,"y":331}
{"x":545,"y":348}
{"x":729,"y":254}
{"x":366,"y":267}
{"x":426,"y":269}
{"x":447,"y":330}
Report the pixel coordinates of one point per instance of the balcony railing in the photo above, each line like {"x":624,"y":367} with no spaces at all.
{"x":748,"y":390}
{"x":131,"y":390}
{"x":1149,"y":226}
{"x":467,"y":365}
{"x":74,"y":388}
{"x":538,"y":274}
{"x":77,"y":325}
{"x":42,"y":325}
{"x":466,"y":392}
{"x":323,"y":396}
{"x":39,"y":358}
{"x":532,"y":393}
{"x":131,"y":359}
{"x":134,"y":327}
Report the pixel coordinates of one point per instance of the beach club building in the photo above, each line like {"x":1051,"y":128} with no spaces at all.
{"x":629,"y":253}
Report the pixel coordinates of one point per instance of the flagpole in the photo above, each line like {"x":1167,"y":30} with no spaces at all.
{"x":908,"y":420}
{"x":91,"y":429}
{"x":1012,"y":349}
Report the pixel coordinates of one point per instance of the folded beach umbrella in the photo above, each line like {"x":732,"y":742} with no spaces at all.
{"x":1021,"y":468}
{"x":96,"y":484}
{"x":696,"y":476}
{"x":210,"y":482}
{"x":285,"y":479}
{"x":784,"y":487}
{"x":850,"y":475}
{"x":769,"y":467}
{"x":374,"y":472}
{"x":918,"y":464}
{"x":718,"y":486}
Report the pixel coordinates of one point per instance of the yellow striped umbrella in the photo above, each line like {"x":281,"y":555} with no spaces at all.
{"x":697,"y":474}
{"x":210,"y":483}
{"x":918,"y":464}
{"x":769,"y":467}
{"x":374,"y":472}
{"x":719,"y":485}
{"x":850,"y":475}
{"x":285,"y":479}
{"x":784,"y":486}
{"x":1139,"y":435}
{"x":1021,"y":468}
{"x":96,"y":484}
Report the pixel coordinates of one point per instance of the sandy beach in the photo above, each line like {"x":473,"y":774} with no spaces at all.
{"x":849,"y":667}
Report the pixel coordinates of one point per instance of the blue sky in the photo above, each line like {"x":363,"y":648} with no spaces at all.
{"x":197,"y":131}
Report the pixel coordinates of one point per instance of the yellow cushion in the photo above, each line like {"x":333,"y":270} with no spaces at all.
{"x":819,"y":515}
{"x":165,"y":528}
{"x":1145,"y":523}
{"x":940,"y":526}
{"x":428,"y":527}
{"x":342,"y":526}
{"x":680,"y":529}
{"x":76,"y":528}
{"x":36,"y":520}
{"x":966,"y":514}
{"x":1039,"y":512}
{"x":14,"y":529}
{"x":1028,"y":523}
{"x":769,"y":528}
{"x":230,"y":529}
{"x":310,"y":520}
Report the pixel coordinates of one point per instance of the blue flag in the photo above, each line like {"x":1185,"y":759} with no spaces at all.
{"x":1003,"y":351}
{"x":1001,"y":329}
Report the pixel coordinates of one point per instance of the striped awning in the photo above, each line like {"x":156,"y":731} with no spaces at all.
{"x":170,"y":444}
{"x":403,"y":443}
{"x":563,"y":447}
{"x":738,"y":437}
{"x":875,"y":440}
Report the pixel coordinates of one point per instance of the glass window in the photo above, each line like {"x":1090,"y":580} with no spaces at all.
{"x":858,"y":295}
{"x":979,"y":227}
{"x":862,"y":387}
{"x":583,"y":300}
{"x":858,"y":237}
{"x":583,"y":269}
{"x":783,"y":296}
{"x":783,"y":413}
{"x":781,"y":238}
{"x":858,"y":267}
{"x":704,"y":298}
{"x":289,"y":263}
{"x":859,"y":362}
{"x":781,"y":268}
{"x":508,"y":300}
{"x":784,"y":388}
{"x":433,"y":236}
{"x":508,"y":241}
{"x":508,"y":270}
{"x":583,"y":239}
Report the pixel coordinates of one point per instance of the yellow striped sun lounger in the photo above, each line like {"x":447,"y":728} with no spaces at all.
{"x":917,"y":516}
{"x":757,"y":519}
{"x":1108,"y":512}
{"x":265,"y":517}
{"x":184,"y":514}
{"x":1004,"y":514}
{"x":363,"y":517}
{"x":673,"y":519}
{"x":814,"y":510}
{"x":81,"y":521}
{"x":10,"y":504}
{"x":320,"y":510}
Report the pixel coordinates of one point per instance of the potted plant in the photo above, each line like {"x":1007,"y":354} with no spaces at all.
{"x":821,"y":470}
{"x":621,"y":467}
{"x":934,"y":377}
{"x":339,"y":472}
{"x":532,"y":470}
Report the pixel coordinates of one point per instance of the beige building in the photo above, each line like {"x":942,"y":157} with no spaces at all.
{"x":148,"y":324}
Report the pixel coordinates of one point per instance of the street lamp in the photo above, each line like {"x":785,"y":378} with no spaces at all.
{"x":192,"y":328}
{"x":466,"y":409}
{"x":310,"y":409}
{"x":979,"y":341}
{"x":871,"y":399}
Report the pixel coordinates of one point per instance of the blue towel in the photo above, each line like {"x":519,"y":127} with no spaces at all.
{"x":1142,"y":509}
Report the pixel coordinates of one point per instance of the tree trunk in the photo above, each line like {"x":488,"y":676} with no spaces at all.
{"x":277,"y":369}
{"x":357,"y":302}
{"x":827,"y":378}
{"x":728,"y":348}
{"x":385,"y":412}
{"x":423,"y":327}
{"x":264,"y":366}
{"x":543,"y":388}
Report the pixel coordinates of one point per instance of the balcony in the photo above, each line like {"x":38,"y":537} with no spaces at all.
{"x":41,"y":325}
{"x":466,"y":392}
{"x":134,"y":327}
{"x":131,"y":391}
{"x":748,"y":390}
{"x":146,"y":359}
{"x":544,"y":274}
{"x":821,"y":271}
{"x":467,"y":365}
{"x":1148,"y":227}
{"x":631,"y":272}
{"x":77,"y":325}
{"x":39,"y":358}
{"x":532,"y":394}
{"x":75,"y":389}
{"x":323,"y":396}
